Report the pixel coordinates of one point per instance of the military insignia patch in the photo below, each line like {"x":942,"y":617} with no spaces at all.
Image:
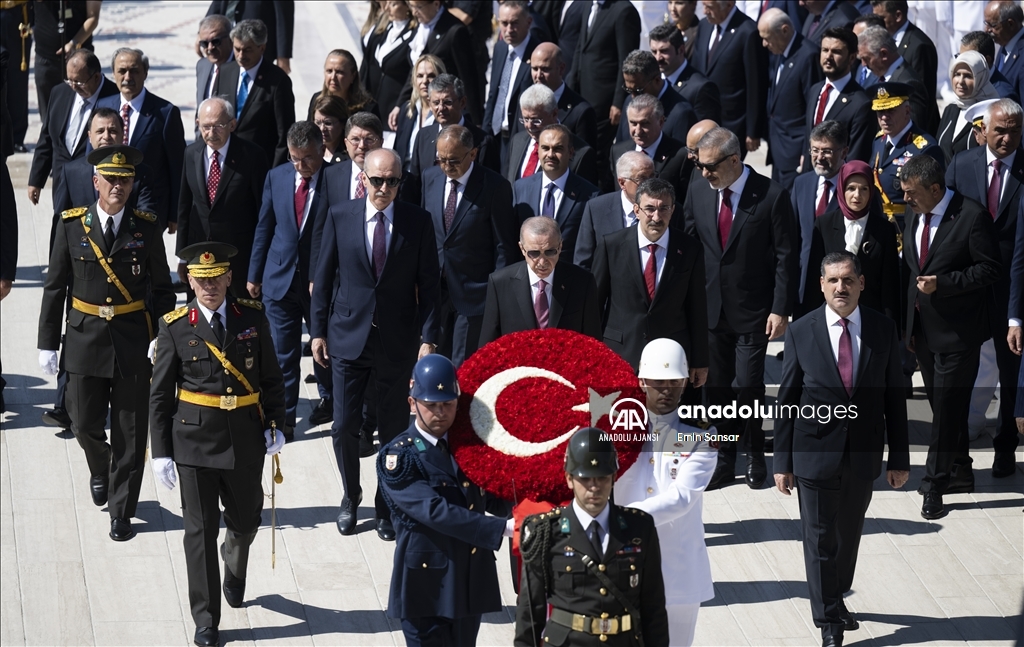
{"x":636,"y":541}
{"x":634,"y":580}
{"x":564,"y":527}
{"x":249,"y":361}
{"x":420,"y":445}
{"x":391,"y":462}
{"x":170,"y":317}
{"x":193,"y":316}
{"x":136,"y":270}
{"x":920,"y":142}
{"x":193,"y":342}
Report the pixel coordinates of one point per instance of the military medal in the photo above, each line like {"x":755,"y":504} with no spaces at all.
{"x":391,"y":462}
{"x":636,"y":541}
{"x":249,"y":362}
{"x":570,"y":551}
{"x":193,"y":342}
{"x":634,"y":580}
{"x":136,"y":270}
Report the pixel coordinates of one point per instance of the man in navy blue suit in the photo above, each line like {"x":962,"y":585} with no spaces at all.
{"x":294,"y":205}
{"x":641,"y":75}
{"x":444,"y":577}
{"x":153,"y":126}
{"x":477,"y":232}
{"x":556,"y":191}
{"x":510,"y":72}
{"x":1005,"y":22}
{"x":792,"y":68}
{"x":378,"y":320}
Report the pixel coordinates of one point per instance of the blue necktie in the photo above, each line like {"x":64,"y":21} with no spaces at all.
{"x":549,"y":201}
{"x":503,"y":90}
{"x":243,"y":94}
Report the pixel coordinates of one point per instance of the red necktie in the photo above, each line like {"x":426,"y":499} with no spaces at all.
{"x":360,"y":187}
{"x":126,"y":117}
{"x":651,"y":271}
{"x":823,"y":202}
{"x":764,"y":6}
{"x":846,"y":357}
{"x":725,"y":217}
{"x":925,"y":240}
{"x":531,"y":162}
{"x":540,"y":305}
{"x":213,"y":179}
{"x":994,"y":189}
{"x":301,"y":195}
{"x":822,"y":102}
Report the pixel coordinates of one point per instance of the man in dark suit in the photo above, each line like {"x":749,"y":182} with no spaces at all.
{"x":1004,"y":20}
{"x":993,"y":175}
{"x":838,"y":97}
{"x":745,"y":222}
{"x":294,"y":204}
{"x":214,"y":46}
{"x":277,"y":15}
{"x":153,"y":126}
{"x":641,"y":75}
{"x":646,"y":119}
{"x":878,"y":52}
{"x":363,"y":133}
{"x":951,"y":252}
{"x":475,"y":228}
{"x":538,"y":110}
{"x":729,"y":53}
{"x":510,"y":72}
{"x":547,"y":68}
{"x":379,"y":320}
{"x":526,"y":296}
{"x":607,"y":214}
{"x":442,"y":34}
{"x":260,"y":93}
{"x":608,"y":34}
{"x":658,"y":292}
{"x":824,"y":15}
{"x":793,"y":68}
{"x":913,"y":44}
{"x":222,"y":190}
{"x":669,"y":49}
{"x":814,"y":194}
{"x":556,"y":191}
{"x":62,"y":137}
{"x":834,"y":463}
{"x":793,"y":8}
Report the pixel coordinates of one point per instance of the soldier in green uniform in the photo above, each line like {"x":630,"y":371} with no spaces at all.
{"x":218,"y":396}
{"x":117,"y":258}
{"x":597,"y":564}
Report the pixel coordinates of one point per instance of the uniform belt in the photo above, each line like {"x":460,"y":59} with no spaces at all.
{"x":225,"y":402}
{"x":589,"y":625}
{"x":107,"y":312}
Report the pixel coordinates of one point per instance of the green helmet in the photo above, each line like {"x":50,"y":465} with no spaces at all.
{"x":589,"y":454}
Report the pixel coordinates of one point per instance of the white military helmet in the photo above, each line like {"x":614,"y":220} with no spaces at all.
{"x":663,"y":359}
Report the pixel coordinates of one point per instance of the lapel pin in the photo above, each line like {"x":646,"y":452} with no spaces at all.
{"x":844,"y":99}
{"x":790,"y":65}
{"x":732,"y":31}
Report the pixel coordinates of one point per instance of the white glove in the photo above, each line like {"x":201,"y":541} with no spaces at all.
{"x":48,"y":361}
{"x":510,"y":528}
{"x":164,"y":470}
{"x":151,"y":353}
{"x":273,"y":446}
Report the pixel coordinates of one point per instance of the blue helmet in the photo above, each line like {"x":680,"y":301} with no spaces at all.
{"x":433,"y":379}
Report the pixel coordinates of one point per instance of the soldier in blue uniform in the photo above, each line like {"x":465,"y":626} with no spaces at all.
{"x":444,"y":577}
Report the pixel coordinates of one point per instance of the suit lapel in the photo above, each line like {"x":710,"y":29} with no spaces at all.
{"x":144,"y":122}
{"x":227,"y":171}
{"x":673,"y":254}
{"x":710,"y":222}
{"x":474,"y":185}
{"x":523,"y":295}
{"x":436,"y":457}
{"x":615,"y":541}
{"x":945,"y":225}
{"x":838,"y":105}
{"x":559,"y":297}
{"x":357,"y":237}
{"x":257,"y":90}
{"x":203,"y":330}
{"x":124,"y":234}
{"x":913,"y":240}
{"x":824,"y":342}
{"x":747,"y":204}
{"x":1014,"y":179}
{"x":867,"y":340}
{"x":396,"y":243}
{"x":569,"y":199}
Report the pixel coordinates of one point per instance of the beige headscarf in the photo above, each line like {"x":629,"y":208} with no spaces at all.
{"x":983,"y":88}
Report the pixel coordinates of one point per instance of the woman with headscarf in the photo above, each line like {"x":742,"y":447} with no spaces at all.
{"x":969,"y":75}
{"x":859,"y":227}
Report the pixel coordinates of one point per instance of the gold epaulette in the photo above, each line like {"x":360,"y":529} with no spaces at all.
{"x":880,"y":133}
{"x":145,"y":215}
{"x":550,"y":514}
{"x":77,"y":212}
{"x":920,"y":142}
{"x":174,"y":315}
{"x":252,"y":303}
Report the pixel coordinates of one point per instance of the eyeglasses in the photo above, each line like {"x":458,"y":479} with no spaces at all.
{"x":203,"y":44}
{"x":447,"y":103}
{"x":637,"y":180}
{"x":663,"y":210}
{"x":378,"y":182}
{"x":219,"y":128}
{"x":692,"y":152}
{"x":307,"y":160}
{"x":536,"y":123}
{"x":78,"y":85}
{"x":453,"y":161}
{"x":534,"y":254}
{"x":991,"y":25}
{"x":823,"y":152}
{"x":710,"y":168}
{"x":362,"y":142}
{"x":633,"y":91}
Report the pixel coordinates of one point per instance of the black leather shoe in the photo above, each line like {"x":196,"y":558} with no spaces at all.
{"x":932,"y":506}
{"x":366,"y":446}
{"x":207,"y":637}
{"x":324,"y":412}
{"x":832,"y":641}
{"x":57,"y":417}
{"x":234,"y":587}
{"x":725,"y":473}
{"x":347,"y":516}
{"x":849,"y":622}
{"x":1004,"y":464}
{"x":289,"y":433}
{"x":385,"y":530}
{"x":98,"y":487}
{"x":757,"y":472}
{"x":121,"y":529}
{"x":309,"y":379}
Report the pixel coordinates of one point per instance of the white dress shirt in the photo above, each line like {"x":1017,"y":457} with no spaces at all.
{"x":80,"y":109}
{"x":892,"y":68}
{"x":559,"y":192}
{"x":104,"y":216}
{"x":371,"y":225}
{"x":391,"y":41}
{"x":309,"y":196}
{"x":660,"y":253}
{"x":585,"y":520}
{"x":353,"y":180}
{"x":517,"y":62}
{"x":208,"y":158}
{"x":835,"y":331}
{"x":432,"y":439}
{"x":855,"y":233}
{"x":461,"y":189}
{"x":938,"y":213}
{"x":715,"y":29}
{"x":837,"y":86}
{"x":895,"y":141}
{"x":628,"y":214}
{"x":222,"y":311}
{"x":734,"y":199}
{"x":133,"y":117}
{"x":785,"y":55}
{"x":1004,"y":170}
{"x":898,"y":36}
{"x":821,"y":187}
{"x":535,"y":285}
{"x":419,"y":41}
{"x":653,"y":148}
{"x":252,"y":77}
{"x":526,"y":158}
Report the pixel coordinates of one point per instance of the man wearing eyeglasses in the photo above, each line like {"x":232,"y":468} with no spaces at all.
{"x":650,"y":283}
{"x":63,"y":137}
{"x":364,"y":132}
{"x":538,"y":109}
{"x":382,"y":256}
{"x":475,"y":226}
{"x":641,"y":75}
{"x":214,"y":49}
{"x":221,"y":190}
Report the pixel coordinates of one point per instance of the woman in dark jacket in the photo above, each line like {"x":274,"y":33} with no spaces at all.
{"x":386,"y":65}
{"x":969,"y":76}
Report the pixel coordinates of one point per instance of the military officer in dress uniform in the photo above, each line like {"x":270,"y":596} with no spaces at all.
{"x":667,"y":481}
{"x":597,"y":565}
{"x":218,"y":396}
{"x":444,"y":577}
{"x":898,"y":139}
{"x":118,"y":261}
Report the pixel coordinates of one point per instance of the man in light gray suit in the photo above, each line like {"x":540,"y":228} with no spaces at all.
{"x":213,"y":44}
